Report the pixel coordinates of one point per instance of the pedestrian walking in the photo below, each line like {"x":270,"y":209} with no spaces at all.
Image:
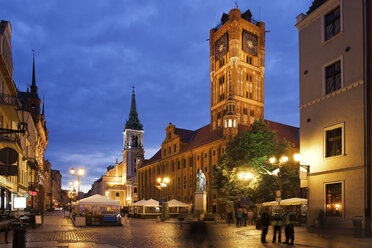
{"x":321,"y":220}
{"x":250,"y":217}
{"x":239,"y":215}
{"x":265,"y":222}
{"x":278,"y":222}
{"x":244,"y":217}
{"x":229,"y":217}
{"x":289,"y":227}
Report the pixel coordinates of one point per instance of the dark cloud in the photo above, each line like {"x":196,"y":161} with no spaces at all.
{"x":90,"y":53}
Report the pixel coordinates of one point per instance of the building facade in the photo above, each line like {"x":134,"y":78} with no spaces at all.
{"x":120,"y":181}
{"x":237,"y":55}
{"x":333,"y":103}
{"x":23,"y":129}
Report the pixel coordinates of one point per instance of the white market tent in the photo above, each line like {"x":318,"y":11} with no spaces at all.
{"x":175,"y":203}
{"x":151,"y":203}
{"x":287,"y":202}
{"x":139,"y":203}
{"x":97,"y":200}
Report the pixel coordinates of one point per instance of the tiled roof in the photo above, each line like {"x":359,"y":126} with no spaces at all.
{"x":186,"y":135}
{"x":204,"y":136}
{"x":316,"y":4}
{"x":291,"y":133}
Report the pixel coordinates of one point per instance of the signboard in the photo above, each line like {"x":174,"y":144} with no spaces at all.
{"x":19,"y":202}
{"x":38,"y":220}
{"x":8,"y":156}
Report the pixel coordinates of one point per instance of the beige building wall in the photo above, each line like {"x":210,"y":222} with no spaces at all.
{"x":343,"y":107}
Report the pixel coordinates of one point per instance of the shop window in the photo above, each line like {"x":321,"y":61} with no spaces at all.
{"x":334,"y":199}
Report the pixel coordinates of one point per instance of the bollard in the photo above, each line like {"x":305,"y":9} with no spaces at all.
{"x":19,"y":235}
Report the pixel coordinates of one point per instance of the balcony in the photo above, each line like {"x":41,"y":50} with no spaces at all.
{"x":7,"y":99}
{"x":12,"y":140}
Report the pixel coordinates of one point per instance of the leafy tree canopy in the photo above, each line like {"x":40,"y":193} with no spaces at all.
{"x":249,"y":152}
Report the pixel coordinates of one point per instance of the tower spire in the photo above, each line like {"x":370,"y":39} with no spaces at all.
{"x":33,"y":85}
{"x":133,"y":122}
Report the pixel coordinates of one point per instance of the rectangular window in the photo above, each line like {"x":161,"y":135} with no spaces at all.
{"x":165,"y":152}
{"x":169,"y":135}
{"x":332,"y":24}
{"x":178,"y":164}
{"x":219,"y":115}
{"x":184,"y":182}
{"x":184,"y":163}
{"x":214,"y":152}
{"x":205,"y":155}
{"x":205,"y":169}
{"x":174,"y":148}
{"x":333,"y":140}
{"x":172,"y":165}
{"x":251,"y":112}
{"x":169,"y":150}
{"x":135,"y":190}
{"x":334,"y":199}
{"x":190,"y":181}
{"x":333,"y":77}
{"x":197,"y":158}
{"x":190,"y":162}
{"x":117,"y":194}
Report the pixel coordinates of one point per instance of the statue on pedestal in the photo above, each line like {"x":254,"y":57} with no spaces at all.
{"x":201,"y":184}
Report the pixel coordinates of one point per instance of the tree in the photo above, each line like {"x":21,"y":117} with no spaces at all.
{"x":249,"y":152}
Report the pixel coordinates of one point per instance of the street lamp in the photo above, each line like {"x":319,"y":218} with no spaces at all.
{"x":245,"y":176}
{"x":79,"y":173}
{"x":277,"y":172}
{"x":162,"y":182}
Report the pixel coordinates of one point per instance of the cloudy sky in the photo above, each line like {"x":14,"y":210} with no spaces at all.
{"x":89,"y":53}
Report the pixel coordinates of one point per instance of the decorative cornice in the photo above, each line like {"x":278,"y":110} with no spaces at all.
{"x":339,"y":91}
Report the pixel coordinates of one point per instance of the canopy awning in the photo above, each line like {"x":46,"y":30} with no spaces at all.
{"x":175,"y":203}
{"x":139,"y":203}
{"x":151,"y":203}
{"x":98,"y":200}
{"x":287,"y":202}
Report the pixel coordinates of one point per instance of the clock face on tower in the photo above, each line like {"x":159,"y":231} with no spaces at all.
{"x":221,"y":46}
{"x":249,"y":43}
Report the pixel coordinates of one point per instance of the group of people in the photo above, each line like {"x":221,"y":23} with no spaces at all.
{"x":243,"y":217}
{"x":278,"y":221}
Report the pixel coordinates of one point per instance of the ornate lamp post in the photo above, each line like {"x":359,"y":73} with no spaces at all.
{"x":78,"y":173}
{"x":162,"y":184}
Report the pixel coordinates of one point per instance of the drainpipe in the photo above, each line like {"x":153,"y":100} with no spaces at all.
{"x":367,"y":109}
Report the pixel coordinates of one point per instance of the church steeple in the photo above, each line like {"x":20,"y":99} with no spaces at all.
{"x":133,"y":122}
{"x":33,"y":85}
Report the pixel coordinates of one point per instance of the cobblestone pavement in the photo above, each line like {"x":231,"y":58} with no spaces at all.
{"x":58,"y":232}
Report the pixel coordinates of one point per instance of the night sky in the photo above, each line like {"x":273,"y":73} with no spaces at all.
{"x":90,"y":53}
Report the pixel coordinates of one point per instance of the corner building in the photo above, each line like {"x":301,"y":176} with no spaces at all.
{"x":335,"y":109}
{"x":237,"y":52}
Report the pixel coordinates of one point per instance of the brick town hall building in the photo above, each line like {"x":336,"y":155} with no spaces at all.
{"x":237,"y":57}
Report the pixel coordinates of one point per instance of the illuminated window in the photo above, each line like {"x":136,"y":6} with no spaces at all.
{"x":334,"y":140}
{"x":334,"y":199}
{"x":332,"y":24}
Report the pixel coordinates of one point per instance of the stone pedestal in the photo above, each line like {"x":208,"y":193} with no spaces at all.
{"x":200,"y":202}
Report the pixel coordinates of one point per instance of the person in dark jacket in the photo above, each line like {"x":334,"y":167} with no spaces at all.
{"x":278,"y":222}
{"x":289,"y":222}
{"x":265,"y":222}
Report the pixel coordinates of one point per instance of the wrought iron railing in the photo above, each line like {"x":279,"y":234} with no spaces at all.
{"x":8,"y":99}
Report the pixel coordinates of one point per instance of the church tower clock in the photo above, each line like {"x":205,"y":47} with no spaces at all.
{"x":237,"y":58}
{"x":133,"y":140}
